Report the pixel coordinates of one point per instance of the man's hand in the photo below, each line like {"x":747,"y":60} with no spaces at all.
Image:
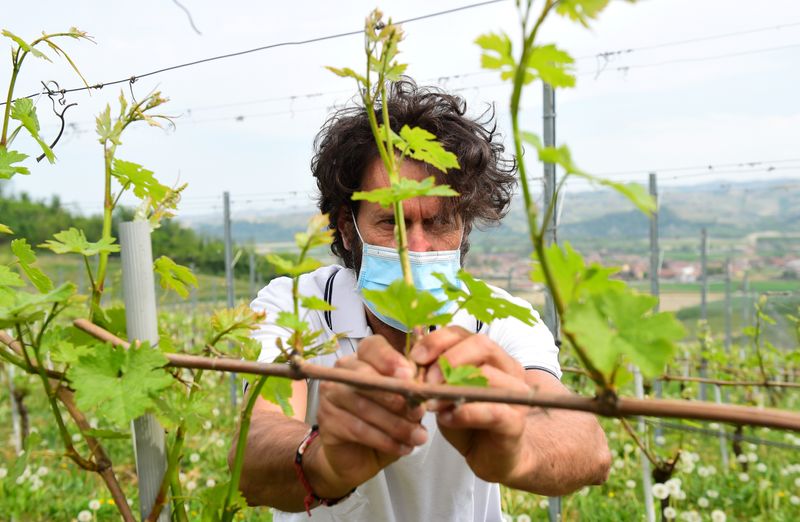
{"x":362,"y":431}
{"x":489,"y":435}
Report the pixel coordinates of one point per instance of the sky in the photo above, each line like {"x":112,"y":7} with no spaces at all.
{"x":700,"y":90}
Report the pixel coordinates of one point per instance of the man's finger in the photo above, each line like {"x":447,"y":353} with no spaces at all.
{"x":477,"y":350}
{"x":389,"y":400}
{"x":378,"y":353}
{"x":429,"y":347}
{"x":338,"y":425}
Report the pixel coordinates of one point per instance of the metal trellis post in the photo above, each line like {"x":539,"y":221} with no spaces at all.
{"x":229,"y":274}
{"x":550,"y":315}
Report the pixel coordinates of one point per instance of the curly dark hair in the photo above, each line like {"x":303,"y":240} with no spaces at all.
{"x":344,"y":148}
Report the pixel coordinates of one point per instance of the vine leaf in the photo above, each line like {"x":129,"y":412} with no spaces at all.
{"x":408,"y":305}
{"x":277,"y":390}
{"x":562,"y":157}
{"x":143,"y":182}
{"x":289,"y":267}
{"x":26,"y":258}
{"x":480,"y":301}
{"x":465,"y":375}
{"x":10,"y":278}
{"x":403,"y":189}
{"x":24,"y":112}
{"x":421,"y":145}
{"x":317,"y":233}
{"x":119,"y":383}
{"x":572,"y":277}
{"x":235,"y":323}
{"x":25,"y":46}
{"x":347,"y":72}
{"x":497,"y":53}
{"x":313,"y":302}
{"x":617,"y":326}
{"x":25,"y":307}
{"x":291,"y":321}
{"x":5,"y":229}
{"x":7,"y":160}
{"x":552,"y":65}
{"x":581,"y":10}
{"x":74,"y":241}
{"x":173,"y":276}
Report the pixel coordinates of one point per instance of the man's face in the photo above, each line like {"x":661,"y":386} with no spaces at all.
{"x":431,"y":222}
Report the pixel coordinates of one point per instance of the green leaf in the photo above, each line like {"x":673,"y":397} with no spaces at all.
{"x":465,"y":375}
{"x":4,"y":229}
{"x":74,"y":241}
{"x":561,"y":156}
{"x":318,"y":233}
{"x":291,"y":321}
{"x":234,"y":323}
{"x":173,"y":276}
{"x":25,"y":307}
{"x":57,"y":342}
{"x":617,"y":326}
{"x":10,"y":278}
{"x":480,"y":301}
{"x":552,"y":65}
{"x":118,"y":383}
{"x":278,"y":390}
{"x":497,"y":53}
{"x":24,"y":111}
{"x":573,"y":279}
{"x":408,"y":305}
{"x":581,"y":10}
{"x":26,"y":259}
{"x":106,"y":129}
{"x":313,"y":302}
{"x":7,"y":160}
{"x":347,"y":72}
{"x":289,"y":267}
{"x":25,"y":46}
{"x":422,"y":146}
{"x":404,"y":189}
{"x":144,"y":184}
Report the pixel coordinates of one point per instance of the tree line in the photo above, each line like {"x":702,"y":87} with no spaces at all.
{"x":38,"y":220}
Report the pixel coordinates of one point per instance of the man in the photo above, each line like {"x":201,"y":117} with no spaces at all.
{"x":375,"y":457}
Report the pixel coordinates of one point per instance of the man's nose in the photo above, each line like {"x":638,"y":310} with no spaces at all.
{"x":418,"y":240}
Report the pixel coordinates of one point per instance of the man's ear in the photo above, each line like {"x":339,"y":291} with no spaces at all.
{"x":345,"y":225}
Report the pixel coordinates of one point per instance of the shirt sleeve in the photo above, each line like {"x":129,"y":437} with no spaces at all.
{"x":532,"y":346}
{"x":274,"y":298}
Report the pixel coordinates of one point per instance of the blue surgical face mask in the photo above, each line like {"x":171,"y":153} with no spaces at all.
{"x":380,"y":267}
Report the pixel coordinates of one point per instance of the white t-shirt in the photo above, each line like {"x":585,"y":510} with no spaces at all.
{"x":433,"y":483}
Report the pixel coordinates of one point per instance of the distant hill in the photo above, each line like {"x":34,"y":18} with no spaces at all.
{"x":730,"y":210}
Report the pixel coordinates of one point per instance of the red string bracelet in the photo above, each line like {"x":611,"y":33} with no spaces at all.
{"x":312,"y":497}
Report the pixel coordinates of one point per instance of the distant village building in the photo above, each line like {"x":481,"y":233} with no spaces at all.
{"x":680,"y":271}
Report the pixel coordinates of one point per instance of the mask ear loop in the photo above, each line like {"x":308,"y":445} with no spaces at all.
{"x":358,"y":232}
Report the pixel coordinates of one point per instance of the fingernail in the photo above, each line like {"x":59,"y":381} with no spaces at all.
{"x":432,"y":404}
{"x":419,"y":436}
{"x":405,"y":450}
{"x":404,"y":372}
